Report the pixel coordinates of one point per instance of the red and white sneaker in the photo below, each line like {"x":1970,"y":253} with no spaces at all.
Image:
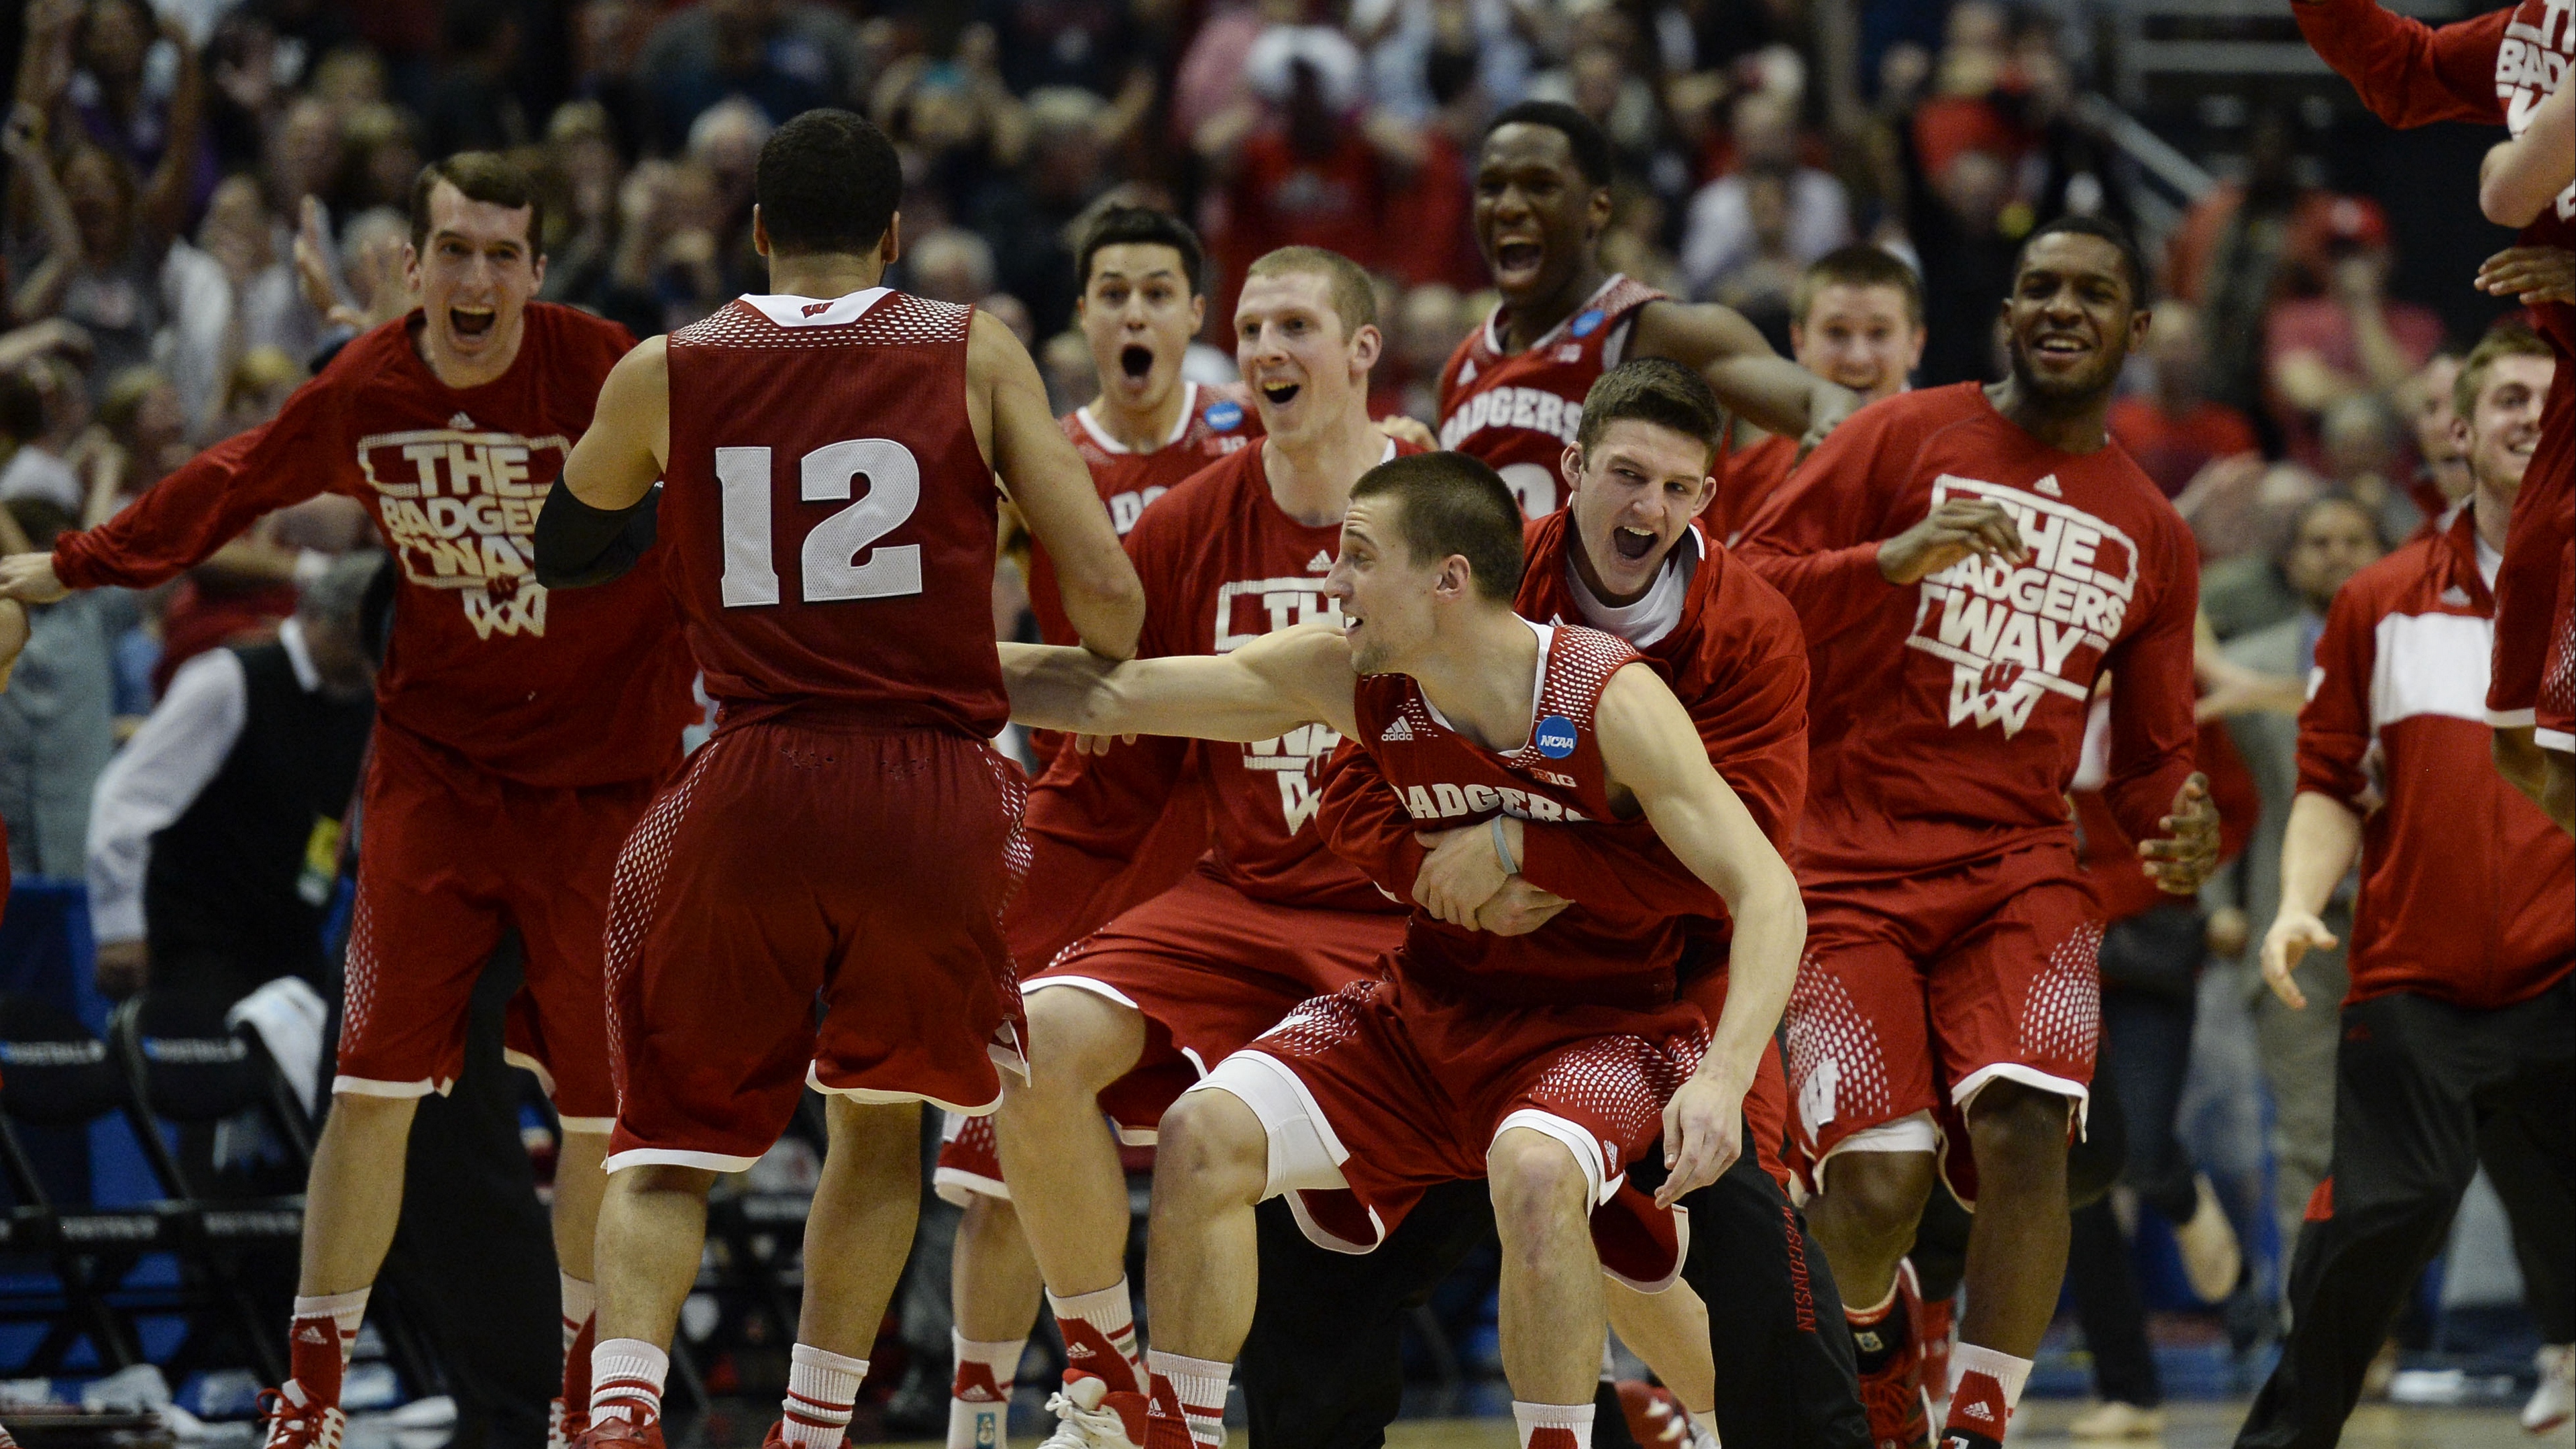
{"x":296,"y":1422}
{"x":1089,"y":1415}
{"x":564,"y":1425}
{"x":1900,"y":1411}
{"x":2554,"y":1402}
{"x":617,"y":1433}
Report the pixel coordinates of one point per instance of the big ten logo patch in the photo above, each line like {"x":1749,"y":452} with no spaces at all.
{"x":461,"y":508}
{"x":2532,"y":61}
{"x":1246,"y":610}
{"x":1126,"y":508}
{"x":2012,"y":634}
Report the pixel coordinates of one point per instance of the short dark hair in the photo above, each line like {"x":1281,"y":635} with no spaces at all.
{"x":1654,"y":390}
{"x":1454,"y":504}
{"x":1858,"y":265}
{"x":1583,"y":135}
{"x":1142,"y":226}
{"x":827,"y":181}
{"x":2133,"y":261}
{"x":2509,"y":338}
{"x":485,"y":176}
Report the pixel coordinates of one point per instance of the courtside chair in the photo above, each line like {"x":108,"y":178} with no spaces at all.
{"x":55,"y":1074}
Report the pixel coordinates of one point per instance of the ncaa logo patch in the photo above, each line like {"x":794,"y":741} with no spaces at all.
{"x":1587,"y":324}
{"x":1225,"y":417}
{"x":1554,"y":737}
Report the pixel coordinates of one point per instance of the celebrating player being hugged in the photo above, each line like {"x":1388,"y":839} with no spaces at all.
{"x":1543,"y":1062}
{"x":1512,"y":393}
{"x":1969,"y":562}
{"x":827,"y":518}
{"x":519,"y":733}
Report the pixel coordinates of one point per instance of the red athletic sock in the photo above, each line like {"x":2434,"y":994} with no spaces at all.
{"x":1099,"y":1331}
{"x":319,"y":1339}
{"x":1986,"y":1386}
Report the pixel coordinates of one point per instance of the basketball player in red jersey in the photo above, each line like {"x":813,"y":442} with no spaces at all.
{"x":1124,"y":1015}
{"x":1968,"y":562}
{"x":2498,"y":69}
{"x":519,"y":735}
{"x":1147,"y":431}
{"x":1512,"y":393}
{"x":847,"y":831}
{"x":1542,"y":1062}
{"x":1857,"y":320}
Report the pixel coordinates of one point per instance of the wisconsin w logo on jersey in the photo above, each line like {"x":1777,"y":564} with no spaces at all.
{"x":2012,"y":634}
{"x":460,"y":506}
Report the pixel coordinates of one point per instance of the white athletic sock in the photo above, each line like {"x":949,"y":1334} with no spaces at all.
{"x":1553,"y":1426}
{"x":345,"y":1310}
{"x":1097,"y":1324}
{"x":999,"y":1361}
{"x":1199,"y":1386}
{"x":1985,"y":1387}
{"x":580,"y":1303}
{"x":821,"y":1387}
{"x":626,"y":1381}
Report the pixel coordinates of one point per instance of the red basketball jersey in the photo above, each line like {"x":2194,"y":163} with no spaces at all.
{"x":828,"y":519}
{"x":1518,"y":410}
{"x":1584,"y":956}
{"x":1215,"y":421}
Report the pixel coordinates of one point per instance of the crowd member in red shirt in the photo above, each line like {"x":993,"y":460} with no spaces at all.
{"x":1967,"y":562}
{"x":518,"y":735}
{"x":2452,"y":1038}
{"x":2497,"y":69}
{"x":1857,"y":320}
{"x":1146,"y":432}
{"x":848,"y":836}
{"x":1773,"y":1364}
{"x":2175,"y":432}
{"x":1512,"y":395}
{"x":2355,"y":340}
{"x":1543,"y":1062}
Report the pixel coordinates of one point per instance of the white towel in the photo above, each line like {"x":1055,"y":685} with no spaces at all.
{"x":288,"y":1015}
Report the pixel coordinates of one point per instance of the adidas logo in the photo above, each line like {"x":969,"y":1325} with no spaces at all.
{"x":1078,"y":1349}
{"x":1396,"y":731}
{"x":1976,"y":1409}
{"x":1321,"y":560}
{"x":460,"y":421}
{"x":312,"y":1334}
{"x":2048,"y":485}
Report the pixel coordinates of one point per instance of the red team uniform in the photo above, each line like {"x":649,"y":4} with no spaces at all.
{"x":847,"y":831}
{"x":1518,"y":411}
{"x":519,"y":732}
{"x":2495,"y":70}
{"x":1576,"y":1030}
{"x":1746,"y":482}
{"x":1733,"y":656}
{"x":1269,"y":917}
{"x":1949,"y":931}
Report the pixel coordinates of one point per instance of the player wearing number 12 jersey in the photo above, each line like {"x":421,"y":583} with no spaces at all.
{"x":828,"y":455}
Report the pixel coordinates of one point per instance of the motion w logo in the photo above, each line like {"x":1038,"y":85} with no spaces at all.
{"x":1998,"y":677}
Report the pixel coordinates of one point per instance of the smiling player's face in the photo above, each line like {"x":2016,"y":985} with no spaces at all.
{"x":2072,"y":317}
{"x":477,"y":275}
{"x":1305,"y":373}
{"x":1536,"y":217}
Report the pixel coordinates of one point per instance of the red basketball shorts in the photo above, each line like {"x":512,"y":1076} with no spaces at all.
{"x":453,"y":856}
{"x":2554,"y":718}
{"x":1916,"y":992}
{"x":1404,"y":1091}
{"x":2528,"y":603}
{"x":795,"y":862}
{"x":1209,"y":968}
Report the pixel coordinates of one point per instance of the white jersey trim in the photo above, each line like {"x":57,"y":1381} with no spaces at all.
{"x":1538,"y":683}
{"x":1494,"y":322}
{"x":792,"y":311}
{"x":1180,"y":430}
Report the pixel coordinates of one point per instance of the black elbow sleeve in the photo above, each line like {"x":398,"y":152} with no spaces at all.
{"x":578,"y":545}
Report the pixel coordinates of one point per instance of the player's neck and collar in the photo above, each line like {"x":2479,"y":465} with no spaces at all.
{"x":825,"y":276}
{"x":1515,"y":328}
{"x":2491,"y":508}
{"x":1311,"y":478}
{"x":1482,"y":674}
{"x":2078,"y":427}
{"x":458,"y":372}
{"x":1646,"y":617}
{"x":1156,"y":426}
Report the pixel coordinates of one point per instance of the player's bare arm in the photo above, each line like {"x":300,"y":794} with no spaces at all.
{"x":1742,"y":369}
{"x":2521,"y":176}
{"x":1052,"y":491}
{"x":2321,"y":843}
{"x":598,"y":518}
{"x":1258,"y":692}
{"x":1654,"y":753}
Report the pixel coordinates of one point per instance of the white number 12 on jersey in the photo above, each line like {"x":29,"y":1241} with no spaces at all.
{"x":828,"y":561}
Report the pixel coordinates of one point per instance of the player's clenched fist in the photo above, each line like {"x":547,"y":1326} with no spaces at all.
{"x":2293,"y":935}
{"x":29,"y":578}
{"x":1954,"y":529}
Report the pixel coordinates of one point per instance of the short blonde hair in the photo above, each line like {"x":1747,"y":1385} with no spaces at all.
{"x":2507,"y":339}
{"x":1354,"y":299}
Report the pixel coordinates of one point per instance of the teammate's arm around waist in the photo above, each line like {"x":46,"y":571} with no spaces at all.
{"x":599,"y":516}
{"x":1258,"y":692}
{"x":1045,"y":479}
